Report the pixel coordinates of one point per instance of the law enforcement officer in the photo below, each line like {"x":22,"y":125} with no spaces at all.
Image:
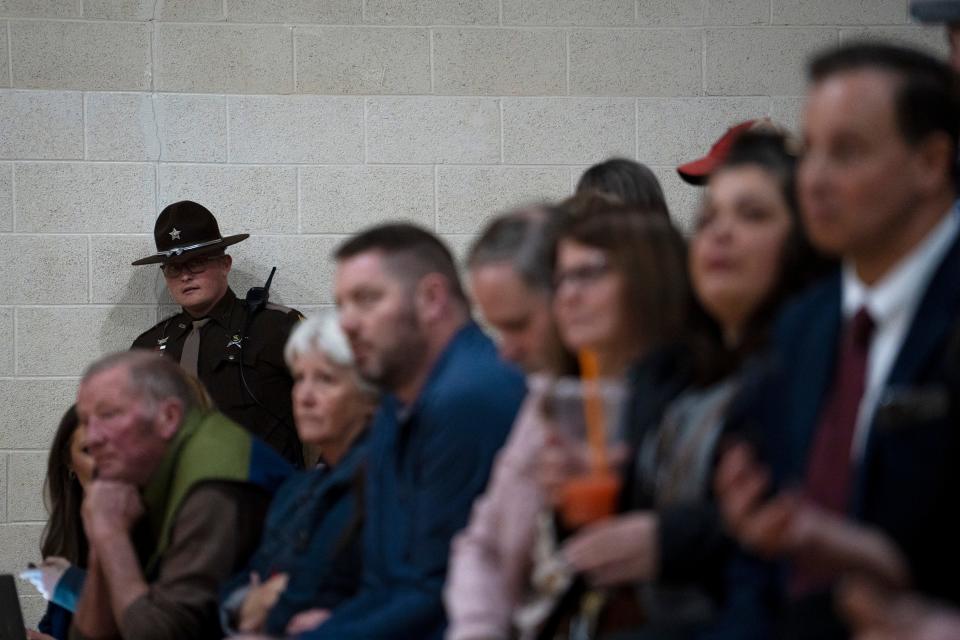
{"x":235,"y":351}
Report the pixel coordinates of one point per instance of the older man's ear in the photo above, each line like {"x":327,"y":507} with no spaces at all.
{"x":168,"y":418}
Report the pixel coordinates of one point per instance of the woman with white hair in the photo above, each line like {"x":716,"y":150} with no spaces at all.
{"x":309,"y":556}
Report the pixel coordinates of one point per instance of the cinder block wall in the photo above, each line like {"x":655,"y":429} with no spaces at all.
{"x":302,"y":121}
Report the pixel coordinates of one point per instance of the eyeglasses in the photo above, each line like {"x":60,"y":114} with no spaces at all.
{"x":581,"y":276}
{"x":194,"y":266}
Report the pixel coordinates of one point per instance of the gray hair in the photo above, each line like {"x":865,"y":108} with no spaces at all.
{"x":524,"y":239}
{"x":151,"y":376}
{"x":322,"y":333}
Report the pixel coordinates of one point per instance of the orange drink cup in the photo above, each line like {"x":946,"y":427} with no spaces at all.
{"x":589,"y":498}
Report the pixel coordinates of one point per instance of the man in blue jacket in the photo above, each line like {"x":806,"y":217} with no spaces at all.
{"x":448,"y":406}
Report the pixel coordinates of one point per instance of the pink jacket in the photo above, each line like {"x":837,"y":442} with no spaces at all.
{"x":491,"y":559}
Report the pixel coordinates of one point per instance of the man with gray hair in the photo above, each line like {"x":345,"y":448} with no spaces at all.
{"x":176,"y":505}
{"x":510,"y":277}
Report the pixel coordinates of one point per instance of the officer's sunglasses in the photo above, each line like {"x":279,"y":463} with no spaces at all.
{"x":194,"y":266}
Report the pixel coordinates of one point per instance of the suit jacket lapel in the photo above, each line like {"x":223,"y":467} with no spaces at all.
{"x":929,"y":331}
{"x":815,"y":360}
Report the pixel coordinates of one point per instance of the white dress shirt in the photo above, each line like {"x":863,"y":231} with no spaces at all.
{"x":892,"y":303}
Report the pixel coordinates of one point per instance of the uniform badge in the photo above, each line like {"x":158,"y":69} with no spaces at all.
{"x":162,"y":343}
{"x":234,"y":341}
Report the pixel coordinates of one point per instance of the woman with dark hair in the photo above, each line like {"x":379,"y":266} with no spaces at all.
{"x":630,"y":182}
{"x":64,"y":544}
{"x":747,"y":255}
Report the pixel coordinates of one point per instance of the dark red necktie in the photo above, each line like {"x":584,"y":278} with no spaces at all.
{"x":830,"y":470}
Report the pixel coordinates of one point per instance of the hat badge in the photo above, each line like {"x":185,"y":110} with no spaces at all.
{"x":175,"y":234}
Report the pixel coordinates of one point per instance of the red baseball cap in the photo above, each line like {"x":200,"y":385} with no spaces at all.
{"x":698,"y":171}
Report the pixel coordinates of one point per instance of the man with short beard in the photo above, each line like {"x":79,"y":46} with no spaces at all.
{"x":449,"y":403}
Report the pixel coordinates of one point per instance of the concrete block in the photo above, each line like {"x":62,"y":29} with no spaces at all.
{"x":467,"y":197}
{"x":115,"y":280}
{"x":224,"y":58}
{"x":69,"y":197}
{"x":762,"y":61}
{"x":499,"y":61}
{"x":26,"y":471}
{"x":683,"y":199}
{"x":433,"y":130}
{"x":32,"y":410}
{"x":304,"y":267}
{"x":4,"y":57}
{"x":49,"y":269}
{"x":39,"y":8}
{"x":20,"y":543}
{"x":3,"y":489}
{"x":567,"y":130}
{"x":244,"y":199}
{"x":310,"y":11}
{"x":930,"y":38}
{"x":121,"y":126}
{"x":736,"y":12}
{"x":834,"y":12}
{"x":348,"y":199}
{"x":459,"y":244}
{"x":677,"y":130}
{"x":569,"y":12}
{"x":657,"y":13}
{"x":107,"y":56}
{"x":63,"y":341}
{"x":173,"y":10}
{"x":41,"y":125}
{"x":295,"y":129}
{"x":629,"y":62}
{"x":788,"y":111}
{"x":6,"y":197}
{"x":192,"y":128}
{"x":362,"y":60}
{"x":440,"y":12}
{"x":6,"y":344}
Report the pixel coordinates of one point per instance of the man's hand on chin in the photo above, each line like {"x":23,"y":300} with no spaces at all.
{"x":110,"y":507}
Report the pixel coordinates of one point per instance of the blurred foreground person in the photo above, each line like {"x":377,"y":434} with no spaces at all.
{"x":855,"y":458}
{"x":747,"y":255}
{"x":877,"y":614}
{"x":309,"y":556}
{"x":64,"y":547}
{"x":448,"y":405}
{"x":176,"y":504}
{"x":621,"y":294}
{"x":510,"y":269}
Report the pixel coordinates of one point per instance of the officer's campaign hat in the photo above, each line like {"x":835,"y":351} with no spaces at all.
{"x":185,"y":230}
{"x":936,"y":10}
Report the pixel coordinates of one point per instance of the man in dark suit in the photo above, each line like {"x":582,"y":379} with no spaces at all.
{"x":855,"y":463}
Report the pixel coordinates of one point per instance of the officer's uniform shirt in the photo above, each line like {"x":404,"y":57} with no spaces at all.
{"x":222,"y":351}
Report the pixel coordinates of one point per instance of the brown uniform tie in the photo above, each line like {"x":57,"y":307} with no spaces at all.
{"x":191,"y":347}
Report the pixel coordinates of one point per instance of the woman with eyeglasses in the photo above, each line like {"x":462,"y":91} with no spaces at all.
{"x":747,"y":255}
